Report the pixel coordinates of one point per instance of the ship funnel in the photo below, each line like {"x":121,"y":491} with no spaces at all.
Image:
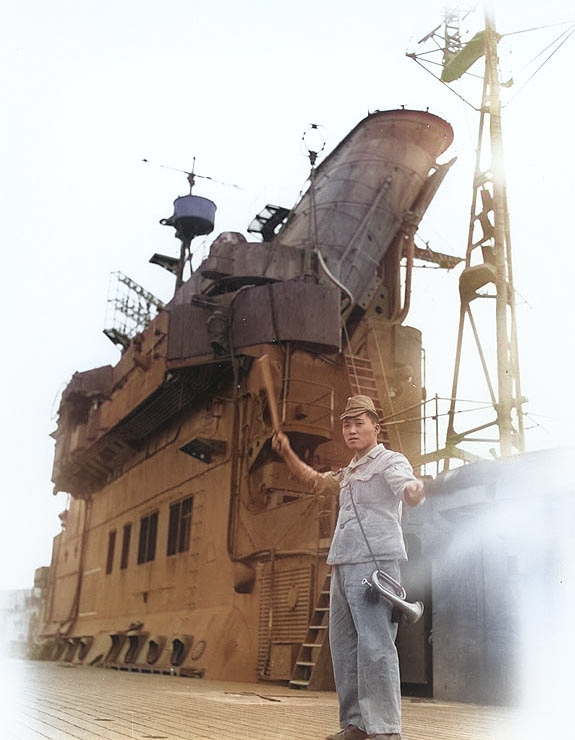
{"x":364,"y":193}
{"x":193,"y":216}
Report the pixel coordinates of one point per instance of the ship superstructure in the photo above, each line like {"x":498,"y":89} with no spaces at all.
{"x":187,"y":547}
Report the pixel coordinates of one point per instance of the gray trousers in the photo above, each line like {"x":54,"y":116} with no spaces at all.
{"x":362,"y":642}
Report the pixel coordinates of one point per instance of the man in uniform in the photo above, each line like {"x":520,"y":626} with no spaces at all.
{"x":367,"y":536}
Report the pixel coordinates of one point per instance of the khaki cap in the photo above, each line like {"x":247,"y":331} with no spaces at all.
{"x":357,"y":405}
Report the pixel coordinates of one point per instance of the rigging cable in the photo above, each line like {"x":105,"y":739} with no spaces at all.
{"x":566,"y":35}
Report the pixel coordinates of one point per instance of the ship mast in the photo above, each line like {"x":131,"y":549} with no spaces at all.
{"x":490,"y":213}
{"x":488,"y":260}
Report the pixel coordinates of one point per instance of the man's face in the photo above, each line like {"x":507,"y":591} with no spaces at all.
{"x":360,"y":433}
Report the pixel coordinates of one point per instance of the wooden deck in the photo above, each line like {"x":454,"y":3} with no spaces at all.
{"x":46,"y":701}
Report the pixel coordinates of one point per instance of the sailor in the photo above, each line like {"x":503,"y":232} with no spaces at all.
{"x":368,"y":535}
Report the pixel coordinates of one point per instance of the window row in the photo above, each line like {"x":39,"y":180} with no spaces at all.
{"x":179,"y":528}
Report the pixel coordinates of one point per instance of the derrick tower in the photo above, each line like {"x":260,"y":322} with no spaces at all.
{"x":486,"y":282}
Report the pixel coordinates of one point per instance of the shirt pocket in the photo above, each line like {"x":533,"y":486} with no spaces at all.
{"x":362,"y":476}
{"x":368,"y":488}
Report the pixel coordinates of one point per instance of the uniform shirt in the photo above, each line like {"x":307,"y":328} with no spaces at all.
{"x":376,"y":481}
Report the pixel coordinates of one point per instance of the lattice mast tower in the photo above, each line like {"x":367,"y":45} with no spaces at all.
{"x":488,"y":263}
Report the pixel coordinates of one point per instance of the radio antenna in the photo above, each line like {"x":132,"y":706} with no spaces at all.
{"x":192,"y":174}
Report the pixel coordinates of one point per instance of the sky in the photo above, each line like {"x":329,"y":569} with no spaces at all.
{"x":92,"y":87}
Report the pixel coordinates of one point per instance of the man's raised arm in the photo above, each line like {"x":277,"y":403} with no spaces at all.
{"x":313,"y":481}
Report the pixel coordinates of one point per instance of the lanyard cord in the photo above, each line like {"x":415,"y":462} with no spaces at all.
{"x":361,"y":527}
{"x":372,"y":594}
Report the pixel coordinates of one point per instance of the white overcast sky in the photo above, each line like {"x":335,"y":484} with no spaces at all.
{"x":91,"y":87}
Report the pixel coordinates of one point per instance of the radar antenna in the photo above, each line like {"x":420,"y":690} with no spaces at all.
{"x":130,"y":309}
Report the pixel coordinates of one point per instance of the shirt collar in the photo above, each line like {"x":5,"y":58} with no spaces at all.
{"x":374,"y":452}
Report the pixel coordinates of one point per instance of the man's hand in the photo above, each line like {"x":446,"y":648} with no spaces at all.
{"x":280,"y":443}
{"x":313,"y":481}
{"x":414,"y":493}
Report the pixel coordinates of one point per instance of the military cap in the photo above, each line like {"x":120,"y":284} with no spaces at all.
{"x":357,"y":405}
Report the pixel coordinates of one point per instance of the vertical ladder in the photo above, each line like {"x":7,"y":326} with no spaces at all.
{"x":315,"y":643}
{"x":363,"y":383}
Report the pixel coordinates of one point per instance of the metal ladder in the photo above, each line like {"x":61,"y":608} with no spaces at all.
{"x":313,"y":649}
{"x":362,"y":381}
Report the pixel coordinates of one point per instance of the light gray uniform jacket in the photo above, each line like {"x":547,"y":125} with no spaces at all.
{"x":376,"y":481}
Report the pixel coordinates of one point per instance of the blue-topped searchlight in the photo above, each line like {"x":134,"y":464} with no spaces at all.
{"x":193,"y":216}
